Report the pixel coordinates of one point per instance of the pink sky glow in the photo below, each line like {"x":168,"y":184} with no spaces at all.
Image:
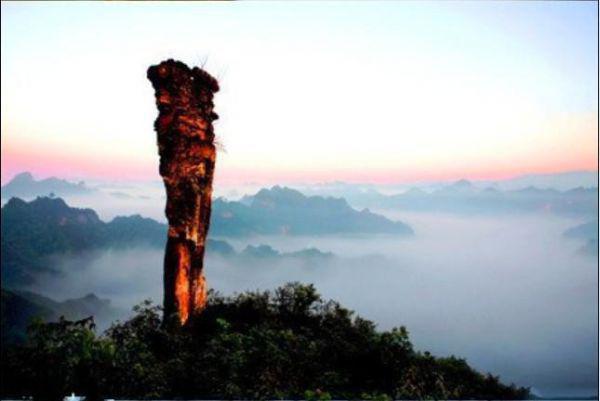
{"x":71,"y":165}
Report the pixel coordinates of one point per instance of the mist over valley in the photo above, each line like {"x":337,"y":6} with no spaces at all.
{"x":514,"y":293}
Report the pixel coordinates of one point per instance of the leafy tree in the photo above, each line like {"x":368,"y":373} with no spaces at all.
{"x":257,"y":345}
{"x":60,"y":358}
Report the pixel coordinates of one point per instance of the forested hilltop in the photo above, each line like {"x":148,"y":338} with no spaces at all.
{"x":289,"y":344}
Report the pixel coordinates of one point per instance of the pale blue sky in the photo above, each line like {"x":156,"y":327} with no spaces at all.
{"x":395,"y":90}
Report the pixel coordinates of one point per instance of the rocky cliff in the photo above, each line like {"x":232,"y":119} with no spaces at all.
{"x":184,"y":98}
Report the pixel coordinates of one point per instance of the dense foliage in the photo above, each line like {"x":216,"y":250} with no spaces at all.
{"x":286,"y":344}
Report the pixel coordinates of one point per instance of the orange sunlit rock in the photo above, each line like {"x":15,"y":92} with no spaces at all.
{"x":184,"y":98}
{"x":182,"y":283}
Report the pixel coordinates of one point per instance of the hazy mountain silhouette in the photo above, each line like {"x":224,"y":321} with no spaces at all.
{"x":35,"y":232}
{"x":465,"y":197}
{"x":266,"y":251}
{"x":587,"y":232}
{"x":282,"y":210}
{"x":559,"y":181}
{"x":19,"y":308}
{"x":369,"y":195}
{"x":23,"y":185}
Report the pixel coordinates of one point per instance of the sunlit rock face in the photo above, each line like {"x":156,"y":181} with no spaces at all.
{"x":184,"y":98}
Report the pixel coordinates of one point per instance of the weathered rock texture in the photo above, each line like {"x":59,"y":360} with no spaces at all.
{"x":184,"y":98}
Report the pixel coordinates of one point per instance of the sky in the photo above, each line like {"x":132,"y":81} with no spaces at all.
{"x":380,"y":92}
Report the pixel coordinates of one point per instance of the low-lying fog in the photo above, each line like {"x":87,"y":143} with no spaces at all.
{"x":509,"y":294}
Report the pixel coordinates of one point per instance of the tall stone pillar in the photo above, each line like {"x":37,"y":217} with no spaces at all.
{"x":184,"y":129}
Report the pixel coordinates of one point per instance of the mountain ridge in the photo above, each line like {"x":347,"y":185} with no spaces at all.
{"x":20,"y":308}
{"x":283,"y":210}
{"x":34,"y":231}
{"x":24,"y":185}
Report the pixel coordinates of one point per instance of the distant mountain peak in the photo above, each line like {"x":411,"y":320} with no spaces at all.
{"x":282,"y":196}
{"x":457,"y":187}
{"x":463,"y":183}
{"x":40,"y":202}
{"x":47,"y":209}
{"x":283,"y":210}
{"x":91,"y":297}
{"x":260,"y":251}
{"x":14,"y":202}
{"x":279,"y":190}
{"x":50,"y":200}
{"x":24,"y":185}
{"x":25,"y":176}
